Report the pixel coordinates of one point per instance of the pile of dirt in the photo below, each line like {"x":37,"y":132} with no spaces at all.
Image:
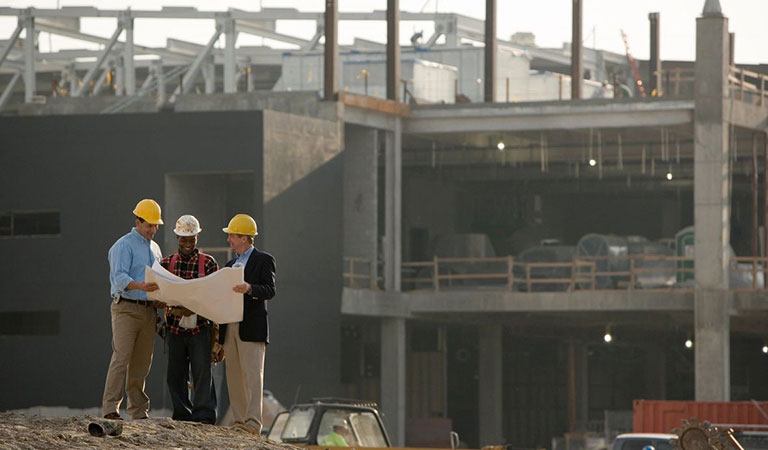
{"x":19,"y":431}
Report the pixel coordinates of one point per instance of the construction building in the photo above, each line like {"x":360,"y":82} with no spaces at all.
{"x":462,"y":234}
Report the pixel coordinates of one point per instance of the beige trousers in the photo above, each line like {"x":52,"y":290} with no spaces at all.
{"x":133,"y":337}
{"x":245,"y":377}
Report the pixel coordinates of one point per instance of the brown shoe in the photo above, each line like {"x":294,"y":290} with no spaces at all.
{"x":113,"y":416}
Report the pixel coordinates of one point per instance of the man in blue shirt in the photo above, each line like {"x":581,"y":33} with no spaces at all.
{"x":133,"y":316}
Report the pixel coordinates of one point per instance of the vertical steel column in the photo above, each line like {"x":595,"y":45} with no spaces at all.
{"x":30,"y":82}
{"x":732,"y":48}
{"x":577,"y":57}
{"x":157,"y":70}
{"x":654,"y":63}
{"x":331,"y":50}
{"x":209,"y":75}
{"x":490,"y":51}
{"x":393,"y":49}
{"x":230,"y":34}
{"x":128,"y":53}
{"x":393,"y":182}
{"x":755,"y":196}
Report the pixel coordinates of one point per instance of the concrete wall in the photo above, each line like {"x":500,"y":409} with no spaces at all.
{"x":95,"y":168}
{"x":303,"y":171}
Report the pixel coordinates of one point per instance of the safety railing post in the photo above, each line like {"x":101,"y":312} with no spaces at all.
{"x":510,"y":281}
{"x":351,"y":269}
{"x":528,"y":282}
{"x":631,"y":273}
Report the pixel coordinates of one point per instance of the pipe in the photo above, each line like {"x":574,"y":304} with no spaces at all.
{"x":102,"y":428}
{"x":490,"y":51}
{"x":577,"y":58}
{"x":331,"y":50}
{"x":393,"y":48}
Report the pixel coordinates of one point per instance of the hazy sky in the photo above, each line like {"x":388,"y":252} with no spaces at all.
{"x":549,"y":20}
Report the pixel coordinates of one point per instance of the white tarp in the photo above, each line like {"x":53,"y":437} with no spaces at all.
{"x":211,"y":296}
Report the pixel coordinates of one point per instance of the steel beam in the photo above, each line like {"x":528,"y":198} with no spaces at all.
{"x":230,"y":33}
{"x":92,"y":72}
{"x":11,"y":42}
{"x":30,"y":82}
{"x":128,"y":61}
{"x":331,"y":50}
{"x":270,"y":34}
{"x":490,"y":51}
{"x":654,"y":63}
{"x":577,"y":56}
{"x":189,"y":78}
{"x":9,"y":90}
{"x":393,"y":49}
{"x":101,"y":81}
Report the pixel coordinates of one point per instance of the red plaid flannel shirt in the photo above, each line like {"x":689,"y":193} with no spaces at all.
{"x":187,"y":267}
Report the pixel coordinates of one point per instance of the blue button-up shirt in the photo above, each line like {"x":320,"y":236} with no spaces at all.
{"x":243,"y":259}
{"x":127,"y":259}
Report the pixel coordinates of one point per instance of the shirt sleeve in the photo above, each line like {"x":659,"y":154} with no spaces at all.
{"x":120,"y":258}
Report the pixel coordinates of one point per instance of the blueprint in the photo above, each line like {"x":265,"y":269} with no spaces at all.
{"x":211,"y":297}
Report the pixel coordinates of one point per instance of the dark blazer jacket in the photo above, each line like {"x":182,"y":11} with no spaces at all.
{"x":260,"y":273}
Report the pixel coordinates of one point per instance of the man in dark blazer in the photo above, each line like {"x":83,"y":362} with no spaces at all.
{"x":245,"y":342}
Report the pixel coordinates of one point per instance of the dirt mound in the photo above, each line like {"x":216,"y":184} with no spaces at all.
{"x":18,"y":431}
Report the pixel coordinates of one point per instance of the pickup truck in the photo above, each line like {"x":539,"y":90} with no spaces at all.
{"x":330,"y":422}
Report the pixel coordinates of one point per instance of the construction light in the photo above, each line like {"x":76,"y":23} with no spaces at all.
{"x":500,"y":145}
{"x":688,"y":343}
{"x":669,"y":176}
{"x":592,"y":162}
{"x":765,"y":348}
{"x":608,"y":338}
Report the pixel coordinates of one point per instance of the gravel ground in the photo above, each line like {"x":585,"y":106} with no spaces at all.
{"x":19,"y":431}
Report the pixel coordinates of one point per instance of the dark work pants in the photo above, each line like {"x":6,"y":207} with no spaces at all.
{"x":187,"y":351}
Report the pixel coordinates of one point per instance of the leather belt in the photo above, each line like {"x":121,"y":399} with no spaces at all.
{"x":138,"y":302}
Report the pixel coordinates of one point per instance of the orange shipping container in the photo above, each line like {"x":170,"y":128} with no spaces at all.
{"x":660,"y":416}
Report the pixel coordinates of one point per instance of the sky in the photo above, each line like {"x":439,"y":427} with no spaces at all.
{"x":549,"y":20}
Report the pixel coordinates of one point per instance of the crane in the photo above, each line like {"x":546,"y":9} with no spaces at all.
{"x":633,"y":65}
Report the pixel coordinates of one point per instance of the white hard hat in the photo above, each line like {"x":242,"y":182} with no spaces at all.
{"x":187,"y":225}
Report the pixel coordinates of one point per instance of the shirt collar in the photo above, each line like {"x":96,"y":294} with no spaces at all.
{"x":195,"y":252}
{"x":136,"y":234}
{"x":246,"y":254}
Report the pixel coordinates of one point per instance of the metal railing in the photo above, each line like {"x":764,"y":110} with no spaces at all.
{"x":745,"y":81}
{"x":354,"y":278}
{"x":645,"y":272}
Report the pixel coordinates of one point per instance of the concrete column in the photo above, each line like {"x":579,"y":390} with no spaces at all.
{"x":490,"y":51}
{"x":230,"y":67}
{"x":581,"y":353}
{"x":361,"y":197}
{"x":654,"y":62}
{"x":209,"y":75}
{"x":577,"y":55}
{"x":331,"y":50}
{"x":393,"y":49}
{"x":157,"y":69}
{"x":30,"y":82}
{"x":711,"y":207}
{"x":130,"y":72}
{"x":490,"y":385}
{"x":393,"y":173}
{"x":120,"y":78}
{"x":393,"y":382}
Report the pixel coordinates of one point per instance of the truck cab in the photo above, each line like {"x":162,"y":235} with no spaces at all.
{"x":330,"y":422}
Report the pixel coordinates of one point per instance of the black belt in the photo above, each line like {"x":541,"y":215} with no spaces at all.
{"x":138,"y":302}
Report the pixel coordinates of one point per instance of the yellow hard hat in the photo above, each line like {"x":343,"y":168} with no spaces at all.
{"x":241,"y":224}
{"x":148,"y":210}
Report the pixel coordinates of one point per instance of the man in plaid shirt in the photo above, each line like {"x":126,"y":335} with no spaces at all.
{"x":190,"y":336}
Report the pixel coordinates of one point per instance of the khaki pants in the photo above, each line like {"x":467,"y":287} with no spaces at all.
{"x":245,"y":377}
{"x":133,"y":337}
